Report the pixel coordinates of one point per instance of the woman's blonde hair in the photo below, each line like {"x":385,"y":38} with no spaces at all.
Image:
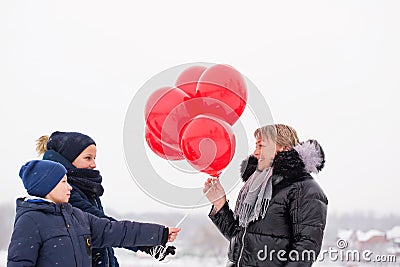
{"x":280,"y":134}
{"x":41,"y":144}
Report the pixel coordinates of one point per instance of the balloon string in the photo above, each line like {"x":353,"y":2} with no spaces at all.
{"x":187,"y":213}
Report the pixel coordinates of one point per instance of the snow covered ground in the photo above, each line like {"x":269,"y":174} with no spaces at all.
{"x":3,"y":258}
{"x":127,"y":259}
{"x":132,"y":260}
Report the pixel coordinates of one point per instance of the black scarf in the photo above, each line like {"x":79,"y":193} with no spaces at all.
{"x":87,"y":180}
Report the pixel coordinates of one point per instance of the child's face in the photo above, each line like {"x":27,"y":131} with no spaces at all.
{"x":60,"y":193}
{"x":86,"y":160}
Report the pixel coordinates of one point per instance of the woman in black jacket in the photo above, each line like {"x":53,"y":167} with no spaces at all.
{"x":280,"y":215}
{"x":77,"y":153}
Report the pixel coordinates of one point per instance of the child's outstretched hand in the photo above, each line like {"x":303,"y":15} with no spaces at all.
{"x":173,"y":233}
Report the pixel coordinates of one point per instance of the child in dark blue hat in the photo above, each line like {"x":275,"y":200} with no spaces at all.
{"x":50,"y":232}
{"x":41,"y":179}
{"x":77,"y":153}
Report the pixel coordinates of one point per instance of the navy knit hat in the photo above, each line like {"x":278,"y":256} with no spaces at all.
{"x":69,"y":144}
{"x":41,"y":176}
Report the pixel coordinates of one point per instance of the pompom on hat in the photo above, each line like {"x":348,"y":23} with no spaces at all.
{"x":41,"y":176}
{"x":69,"y":144}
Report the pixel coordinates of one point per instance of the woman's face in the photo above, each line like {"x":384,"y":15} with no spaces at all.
{"x":60,"y":193}
{"x":86,"y":160}
{"x":265,"y":152}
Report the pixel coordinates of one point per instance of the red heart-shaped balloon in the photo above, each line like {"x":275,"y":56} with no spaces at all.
{"x":161,"y":149}
{"x":208,"y":144}
{"x":193,"y":120}
{"x":226,"y":84}
{"x":161,"y":107}
{"x":187,"y":80}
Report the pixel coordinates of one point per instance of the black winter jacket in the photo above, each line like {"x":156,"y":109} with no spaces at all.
{"x":48,"y":235}
{"x":291,"y":232}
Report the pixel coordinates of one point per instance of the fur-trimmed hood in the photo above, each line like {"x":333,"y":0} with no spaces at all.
{"x":307,"y":157}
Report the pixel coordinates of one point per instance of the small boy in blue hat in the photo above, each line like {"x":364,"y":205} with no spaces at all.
{"x":50,"y":232}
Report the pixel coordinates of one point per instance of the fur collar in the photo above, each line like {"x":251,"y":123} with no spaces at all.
{"x":248,"y":167}
{"x":307,"y":157}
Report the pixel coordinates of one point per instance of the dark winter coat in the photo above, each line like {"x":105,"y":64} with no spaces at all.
{"x":102,"y":257}
{"x":295,"y":218}
{"x":48,"y":235}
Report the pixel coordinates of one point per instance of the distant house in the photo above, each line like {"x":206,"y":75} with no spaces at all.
{"x":376,"y":242}
{"x":371,"y":239}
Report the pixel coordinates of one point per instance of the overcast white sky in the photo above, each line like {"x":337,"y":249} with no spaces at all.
{"x":328,"y":68}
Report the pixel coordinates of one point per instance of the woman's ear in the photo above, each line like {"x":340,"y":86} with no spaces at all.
{"x":280,"y":148}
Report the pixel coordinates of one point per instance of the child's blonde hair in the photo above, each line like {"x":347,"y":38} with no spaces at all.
{"x":41,"y":144}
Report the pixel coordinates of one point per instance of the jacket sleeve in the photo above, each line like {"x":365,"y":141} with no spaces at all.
{"x":225,"y":221}
{"x":308,"y":210}
{"x":106,"y":233}
{"x":83,"y":204}
{"x":25,"y":243}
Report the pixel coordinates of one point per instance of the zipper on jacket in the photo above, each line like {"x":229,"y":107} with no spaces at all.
{"x":95,"y":202}
{"x":108,"y":260}
{"x":241,"y":250}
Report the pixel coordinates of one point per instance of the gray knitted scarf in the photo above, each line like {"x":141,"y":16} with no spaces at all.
{"x":254,"y":197}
